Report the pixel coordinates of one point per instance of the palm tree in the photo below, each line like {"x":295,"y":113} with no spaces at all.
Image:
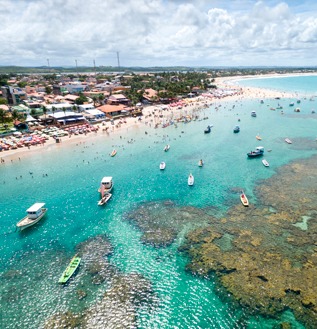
{"x":3,"y":114}
{"x":44,"y":111}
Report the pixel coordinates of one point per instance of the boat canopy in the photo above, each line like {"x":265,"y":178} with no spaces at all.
{"x":260,"y":149}
{"x":36,"y":207}
{"x":106,"y":180}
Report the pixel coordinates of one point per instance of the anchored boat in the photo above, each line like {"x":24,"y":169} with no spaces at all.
{"x":106,"y":185}
{"x":244,"y":199}
{"x":34,"y":214}
{"x":70,"y":269}
{"x":257,"y":152}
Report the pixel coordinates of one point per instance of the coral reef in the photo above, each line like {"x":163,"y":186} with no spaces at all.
{"x":123,"y":295}
{"x":160,"y":222}
{"x":271,"y":264}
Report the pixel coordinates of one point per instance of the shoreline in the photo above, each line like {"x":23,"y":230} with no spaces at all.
{"x":154,"y":115}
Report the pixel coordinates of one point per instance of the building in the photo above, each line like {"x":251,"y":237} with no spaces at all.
{"x":14,"y":95}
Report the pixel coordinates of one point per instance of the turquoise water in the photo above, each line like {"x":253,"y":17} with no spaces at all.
{"x":34,"y":259}
{"x":303,"y":85}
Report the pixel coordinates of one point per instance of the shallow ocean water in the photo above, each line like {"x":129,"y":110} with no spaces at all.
{"x":32,"y":261}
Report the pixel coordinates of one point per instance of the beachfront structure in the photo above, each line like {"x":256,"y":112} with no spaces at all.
{"x":85,"y":107}
{"x":112,"y":111}
{"x":94,"y":114}
{"x":67,"y":117}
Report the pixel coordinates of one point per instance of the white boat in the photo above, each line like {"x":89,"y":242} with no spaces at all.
{"x":288,"y":141}
{"x":265,"y":163}
{"x":106,"y":185}
{"x":200,"y":163}
{"x":166,"y":148}
{"x":191,"y":180}
{"x":113,"y":153}
{"x":105,"y":198}
{"x":162,"y":165}
{"x":34,"y":214}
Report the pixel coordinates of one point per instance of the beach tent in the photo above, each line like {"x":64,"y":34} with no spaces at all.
{"x":29,"y":118}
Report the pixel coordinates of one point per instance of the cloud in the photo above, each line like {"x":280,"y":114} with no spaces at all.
{"x":157,"y":32}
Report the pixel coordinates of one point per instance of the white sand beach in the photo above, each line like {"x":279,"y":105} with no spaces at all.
{"x":153,"y":116}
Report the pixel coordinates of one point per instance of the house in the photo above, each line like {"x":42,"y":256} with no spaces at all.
{"x":150,"y":95}
{"x":118,"y":99}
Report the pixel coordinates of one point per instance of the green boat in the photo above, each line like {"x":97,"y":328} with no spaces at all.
{"x":70,"y":270}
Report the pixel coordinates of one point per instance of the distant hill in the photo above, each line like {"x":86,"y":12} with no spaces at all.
{"x":243,"y":70}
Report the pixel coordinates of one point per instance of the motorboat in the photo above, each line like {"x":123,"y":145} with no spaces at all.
{"x":191,"y":180}
{"x":265,"y":163}
{"x":166,"y":148}
{"x":104,"y":199}
{"x":253,"y":114}
{"x":162,"y":165}
{"x":244,"y":199}
{"x":106,"y":185}
{"x":288,"y":141}
{"x":257,"y":152}
{"x":297,"y":109}
{"x":208,"y":129}
{"x":113,"y":153}
{"x":34,"y":214}
{"x":200,"y":163}
{"x":236,"y":129}
{"x":70,"y":269}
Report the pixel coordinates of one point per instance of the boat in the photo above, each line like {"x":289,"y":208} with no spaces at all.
{"x":288,"y":141}
{"x":265,"y":163}
{"x":258,"y":137}
{"x":34,"y":214}
{"x":113,"y":153}
{"x":200,"y":163}
{"x":208,"y":129}
{"x":244,"y":199}
{"x":236,"y":129}
{"x":253,"y":114}
{"x":191,"y":180}
{"x":297,"y":109}
{"x":257,"y":152}
{"x":106,"y":185}
{"x":70,"y":269}
{"x":166,"y":148}
{"x":104,"y":199}
{"x":162,"y":165}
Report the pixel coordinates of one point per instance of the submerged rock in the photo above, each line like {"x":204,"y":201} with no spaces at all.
{"x":161,"y":222}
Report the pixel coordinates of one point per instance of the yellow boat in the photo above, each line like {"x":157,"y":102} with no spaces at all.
{"x":258,"y":137}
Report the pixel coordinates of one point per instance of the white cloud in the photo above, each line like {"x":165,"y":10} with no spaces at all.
{"x":157,"y":32}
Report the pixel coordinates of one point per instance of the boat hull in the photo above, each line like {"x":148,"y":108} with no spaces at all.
{"x":104,"y":199}
{"x":244,"y":200}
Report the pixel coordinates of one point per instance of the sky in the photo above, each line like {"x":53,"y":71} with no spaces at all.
{"x":158,"y":33}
